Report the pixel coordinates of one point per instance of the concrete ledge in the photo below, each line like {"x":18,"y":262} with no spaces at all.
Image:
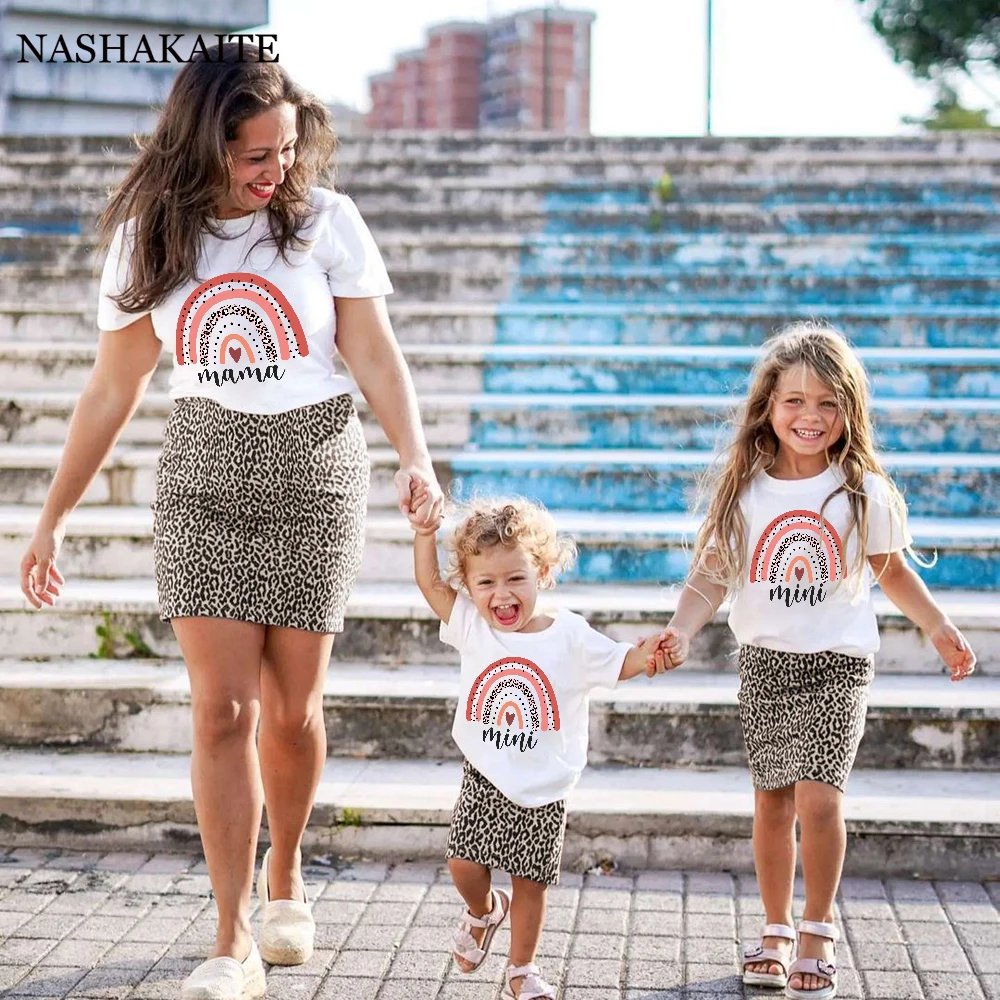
{"x":685,"y":718}
{"x":389,"y":624}
{"x":944,"y":825}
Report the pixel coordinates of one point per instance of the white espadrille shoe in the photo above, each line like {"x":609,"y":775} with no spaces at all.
{"x":286,"y":937}
{"x":226,"y":979}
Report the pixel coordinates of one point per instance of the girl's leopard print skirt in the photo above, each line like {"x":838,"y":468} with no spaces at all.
{"x":260,"y":517}
{"x":486,"y":827}
{"x":803,"y":714}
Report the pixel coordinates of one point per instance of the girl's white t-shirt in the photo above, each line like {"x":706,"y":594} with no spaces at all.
{"x":796,"y":594}
{"x":522,"y":714}
{"x":253,"y":332}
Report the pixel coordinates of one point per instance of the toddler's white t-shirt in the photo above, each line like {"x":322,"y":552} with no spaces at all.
{"x":796,"y":595}
{"x":253,"y":332}
{"x":522,"y":715}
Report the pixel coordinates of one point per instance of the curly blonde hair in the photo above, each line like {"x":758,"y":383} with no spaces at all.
{"x":511,"y":521}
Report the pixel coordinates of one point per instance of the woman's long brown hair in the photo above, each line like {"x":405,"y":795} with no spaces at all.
{"x":826,"y":352}
{"x":182,"y":171}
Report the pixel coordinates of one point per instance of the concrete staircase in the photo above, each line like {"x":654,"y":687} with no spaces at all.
{"x":578,"y":338}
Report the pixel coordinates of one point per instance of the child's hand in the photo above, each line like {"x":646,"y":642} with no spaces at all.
{"x":954,"y":650}
{"x":420,"y":501}
{"x":677,"y":644}
{"x":669,"y":650}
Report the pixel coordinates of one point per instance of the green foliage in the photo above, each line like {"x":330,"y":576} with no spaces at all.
{"x":949,"y":115}
{"x":349,"y":817}
{"x":113,"y":637}
{"x":934,"y":35}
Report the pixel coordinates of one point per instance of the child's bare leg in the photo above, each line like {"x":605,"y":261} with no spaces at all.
{"x":774,"y":859}
{"x":474,"y":885}
{"x":527,"y":915}
{"x":824,"y":843}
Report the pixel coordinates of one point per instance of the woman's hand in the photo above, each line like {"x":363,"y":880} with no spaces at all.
{"x":420,"y":496}
{"x":41,"y":580}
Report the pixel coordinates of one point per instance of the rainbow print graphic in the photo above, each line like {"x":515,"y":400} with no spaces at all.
{"x":238,"y":319}
{"x":798,"y":547}
{"x":515,"y":694}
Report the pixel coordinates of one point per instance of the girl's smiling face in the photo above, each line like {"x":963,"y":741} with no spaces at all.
{"x":503,"y":584}
{"x":263,"y":152}
{"x":807,"y":421}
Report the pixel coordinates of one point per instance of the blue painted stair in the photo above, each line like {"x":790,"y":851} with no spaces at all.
{"x":634,"y":322}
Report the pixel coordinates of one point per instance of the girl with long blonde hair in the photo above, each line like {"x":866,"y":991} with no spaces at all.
{"x":802,"y":519}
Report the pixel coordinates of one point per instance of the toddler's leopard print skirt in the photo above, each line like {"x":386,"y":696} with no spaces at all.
{"x":260,"y":517}
{"x":486,"y":827}
{"x":803,"y":714}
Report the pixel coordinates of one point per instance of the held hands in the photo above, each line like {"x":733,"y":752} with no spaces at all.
{"x":954,"y":650}
{"x":667,"y":651}
{"x":420,"y":498}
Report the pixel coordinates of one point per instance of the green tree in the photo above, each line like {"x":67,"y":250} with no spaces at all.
{"x":949,"y":115}
{"x":931,"y":36}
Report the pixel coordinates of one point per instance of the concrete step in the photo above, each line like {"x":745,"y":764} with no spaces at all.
{"x":414,"y":321}
{"x":574,"y":368}
{"x":128,"y":477}
{"x":116,"y":543}
{"x":935,"y":485}
{"x":955,"y":286}
{"x":678,"y":252}
{"x":942,"y":484}
{"x":560,"y":420}
{"x":44,"y":274}
{"x":646,"y":323}
{"x":740,"y":323}
{"x":390,"y":624}
{"x":941,"y":824}
{"x":23,"y":196}
{"x":683,"y":719}
{"x":933,"y":158}
{"x":51,"y":284}
{"x":386,"y":213}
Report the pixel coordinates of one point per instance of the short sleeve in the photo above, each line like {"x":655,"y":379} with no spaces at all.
{"x":455,"y":631}
{"x":601,"y":658}
{"x":354,"y":266}
{"x":113,"y":281}
{"x":887,"y":527}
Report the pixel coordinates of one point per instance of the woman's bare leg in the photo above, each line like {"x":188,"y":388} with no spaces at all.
{"x":223,"y":664}
{"x":292,"y":745}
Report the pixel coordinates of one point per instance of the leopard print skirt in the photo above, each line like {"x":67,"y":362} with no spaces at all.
{"x":803,"y":714}
{"x":260,"y":517}
{"x":486,"y":827}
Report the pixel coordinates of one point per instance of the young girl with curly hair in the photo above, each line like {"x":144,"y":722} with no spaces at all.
{"x":521,"y":722}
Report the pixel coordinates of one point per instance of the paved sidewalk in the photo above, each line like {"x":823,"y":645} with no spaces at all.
{"x":122,"y":926}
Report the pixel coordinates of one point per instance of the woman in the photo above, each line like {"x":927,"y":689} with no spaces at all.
{"x":221,"y":247}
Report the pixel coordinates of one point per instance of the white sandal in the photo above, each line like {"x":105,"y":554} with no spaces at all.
{"x":464,"y":945}
{"x":760,"y":954}
{"x":226,"y":979}
{"x":288,"y":931}
{"x":815,"y":966}
{"x":533,"y":987}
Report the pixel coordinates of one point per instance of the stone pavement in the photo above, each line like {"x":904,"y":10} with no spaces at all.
{"x":119,"y":926}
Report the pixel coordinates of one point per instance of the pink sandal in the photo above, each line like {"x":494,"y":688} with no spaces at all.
{"x":464,"y":944}
{"x":533,"y":987}
{"x":760,"y":955}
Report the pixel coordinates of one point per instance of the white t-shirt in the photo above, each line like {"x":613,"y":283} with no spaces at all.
{"x":252,"y":332}
{"x":521,"y":719}
{"x":795,"y":595}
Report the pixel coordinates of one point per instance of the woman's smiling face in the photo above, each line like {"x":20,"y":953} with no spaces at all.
{"x":263,"y":152}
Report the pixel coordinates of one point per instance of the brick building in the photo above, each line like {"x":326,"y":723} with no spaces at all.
{"x":528,"y":70}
